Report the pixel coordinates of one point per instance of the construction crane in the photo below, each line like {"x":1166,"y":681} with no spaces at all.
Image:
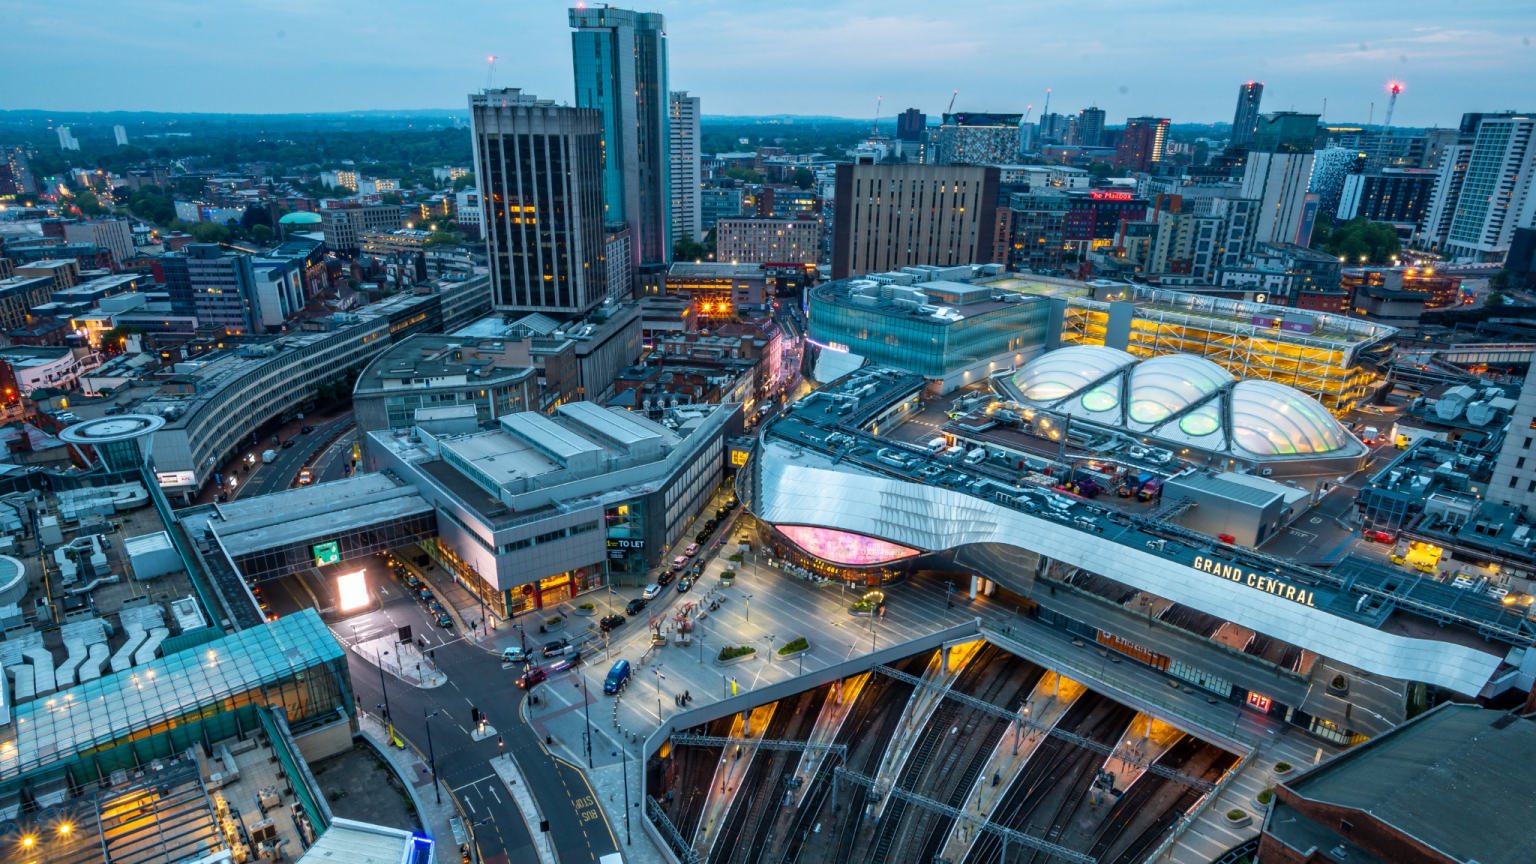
{"x":874,"y":130}
{"x":1047,"y":109}
{"x":1394,"y":87}
{"x":952,"y":103}
{"x":1027,"y":109}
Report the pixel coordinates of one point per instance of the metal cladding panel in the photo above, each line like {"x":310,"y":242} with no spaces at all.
{"x":933,"y":519}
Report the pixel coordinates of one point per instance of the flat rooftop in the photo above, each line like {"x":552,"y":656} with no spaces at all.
{"x":839,"y":294}
{"x":295,"y":515}
{"x":1447,"y":778}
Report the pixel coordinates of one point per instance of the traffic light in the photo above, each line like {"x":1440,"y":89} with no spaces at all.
{"x":474,"y":716}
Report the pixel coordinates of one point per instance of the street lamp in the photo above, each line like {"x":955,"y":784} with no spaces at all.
{"x":949,"y":594}
{"x":432,"y":756}
{"x":382,"y":688}
{"x":749,"y":608}
{"x":587,"y":703}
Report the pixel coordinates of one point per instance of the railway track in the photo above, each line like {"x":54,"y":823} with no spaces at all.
{"x":728,"y":840}
{"x":783,"y":767}
{"x":1056,"y":763}
{"x":1216,"y":762}
{"x":933,"y":736}
{"x":939,"y":825}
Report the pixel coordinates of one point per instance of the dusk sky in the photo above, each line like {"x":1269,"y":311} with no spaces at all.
{"x":1174,"y":58}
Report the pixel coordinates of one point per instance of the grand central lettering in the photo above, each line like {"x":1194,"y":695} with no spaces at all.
{"x":1267,"y":584}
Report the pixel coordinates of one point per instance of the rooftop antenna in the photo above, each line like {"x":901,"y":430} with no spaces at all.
{"x":874,"y":130}
{"x":490,"y":70}
{"x":1394,"y":87}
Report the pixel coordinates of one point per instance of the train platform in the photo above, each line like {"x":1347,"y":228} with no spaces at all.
{"x":943,"y":670}
{"x":732,"y":770}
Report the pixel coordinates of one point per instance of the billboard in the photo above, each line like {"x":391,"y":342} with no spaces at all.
{"x":327,"y":553}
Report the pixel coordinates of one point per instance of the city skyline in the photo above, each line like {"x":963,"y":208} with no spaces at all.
{"x":1304,"y":54}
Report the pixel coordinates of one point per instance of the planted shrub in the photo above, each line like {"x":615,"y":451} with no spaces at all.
{"x":587,"y":606}
{"x":797,"y":645}
{"x":1282,"y":767}
{"x":1266,"y":796}
{"x":555,"y":620}
{"x":731,"y":653}
{"x":1235,"y":814}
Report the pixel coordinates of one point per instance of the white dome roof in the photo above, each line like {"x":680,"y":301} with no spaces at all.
{"x":1270,"y":419}
{"x":1060,"y":373}
{"x":1166,"y":385}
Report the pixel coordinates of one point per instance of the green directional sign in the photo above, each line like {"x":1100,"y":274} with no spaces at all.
{"x":327,"y":553}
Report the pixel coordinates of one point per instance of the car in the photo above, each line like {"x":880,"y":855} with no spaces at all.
{"x":306,"y":477}
{"x":679,"y":562}
{"x":558,"y":648}
{"x":665,"y":578}
{"x":532,"y":676}
{"x":635,"y":606}
{"x":611,"y":622}
{"x":698,"y":569}
{"x":701,"y":537}
{"x":571,"y":660}
{"x":616,"y":677}
{"x":650,"y":592}
{"x":288,"y":443}
{"x":721,"y":512}
{"x":709,"y":524}
{"x":306,"y":430}
{"x":445,"y":621}
{"x":684,"y":584}
{"x":515,"y":654}
{"x":692,"y":550}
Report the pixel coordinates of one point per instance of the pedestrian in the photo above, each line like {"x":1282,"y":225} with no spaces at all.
{"x":687,"y":697}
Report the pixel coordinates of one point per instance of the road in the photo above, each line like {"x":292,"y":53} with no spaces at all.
{"x":280,"y":474}
{"x":476,"y":679}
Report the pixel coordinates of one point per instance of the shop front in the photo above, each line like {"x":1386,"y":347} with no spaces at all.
{"x":856,"y":559}
{"x":551,"y":591}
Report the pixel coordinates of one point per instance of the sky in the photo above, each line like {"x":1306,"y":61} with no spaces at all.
{"x":1181,"y":59}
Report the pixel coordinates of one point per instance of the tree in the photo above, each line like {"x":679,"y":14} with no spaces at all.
{"x":209,"y":232}
{"x":688,"y":249}
{"x":1321,"y":228}
{"x":745,"y":175}
{"x":442,"y":238}
{"x":1361,"y":241}
{"x":115,"y":337}
{"x":1499,"y":299}
{"x":464,"y":182}
{"x":1499,"y":281}
{"x":393,"y":198}
{"x":803,"y":178}
{"x":88,"y":203}
{"x":261,"y":234}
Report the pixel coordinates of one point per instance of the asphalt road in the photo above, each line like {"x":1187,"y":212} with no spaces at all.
{"x":278,"y":475}
{"x":578,"y":827}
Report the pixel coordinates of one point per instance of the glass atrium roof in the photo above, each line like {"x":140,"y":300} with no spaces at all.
{"x":1065,"y":371}
{"x":1183,"y":400}
{"x":101,"y":712}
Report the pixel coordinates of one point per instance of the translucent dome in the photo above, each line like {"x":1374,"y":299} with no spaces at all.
{"x":1065,"y":371}
{"x":1270,"y":419}
{"x":1164,"y":386}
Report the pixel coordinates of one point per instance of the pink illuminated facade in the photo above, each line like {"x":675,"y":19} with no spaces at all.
{"x":841,"y":547}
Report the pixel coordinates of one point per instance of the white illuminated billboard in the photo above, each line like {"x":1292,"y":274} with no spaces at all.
{"x":353,"y":590}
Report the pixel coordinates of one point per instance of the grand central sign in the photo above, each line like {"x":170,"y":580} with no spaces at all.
{"x":1258,"y":581}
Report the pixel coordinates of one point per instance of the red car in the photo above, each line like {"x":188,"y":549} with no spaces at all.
{"x":533,"y":676}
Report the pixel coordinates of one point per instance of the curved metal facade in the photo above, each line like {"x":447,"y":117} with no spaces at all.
{"x":807,"y":490}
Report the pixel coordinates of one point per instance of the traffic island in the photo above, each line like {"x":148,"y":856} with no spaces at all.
{"x":731,"y":655}
{"x":794,"y":648}
{"x":1238,"y":818}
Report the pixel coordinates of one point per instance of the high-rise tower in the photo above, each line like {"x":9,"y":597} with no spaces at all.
{"x":1246,"y":122}
{"x":540,"y":170}
{"x":686,"y":166}
{"x":1278,"y":173}
{"x":620,"y":60}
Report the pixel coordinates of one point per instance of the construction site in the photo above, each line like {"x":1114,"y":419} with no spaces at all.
{"x":964,"y":753}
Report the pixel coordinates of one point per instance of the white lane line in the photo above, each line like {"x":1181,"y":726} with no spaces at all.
{"x":473,"y":782}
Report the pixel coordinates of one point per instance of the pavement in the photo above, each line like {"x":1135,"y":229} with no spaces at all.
{"x":435,"y":808}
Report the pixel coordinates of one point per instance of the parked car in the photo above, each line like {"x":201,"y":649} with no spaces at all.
{"x":558,"y":648}
{"x":532,"y":676}
{"x":611,"y":622}
{"x":693,"y":549}
{"x":616,"y":677}
{"x":665,"y":577}
{"x":515,"y":654}
{"x":635,"y":606}
{"x":684,"y":584}
{"x":651,"y":592}
{"x":701,"y":538}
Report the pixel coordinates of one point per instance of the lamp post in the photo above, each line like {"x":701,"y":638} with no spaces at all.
{"x":382,"y":688}
{"x":749,"y":608}
{"x":587,"y":703}
{"x":624,"y":748}
{"x":432,"y":756}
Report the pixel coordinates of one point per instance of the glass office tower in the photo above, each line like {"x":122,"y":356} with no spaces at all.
{"x":620,"y":60}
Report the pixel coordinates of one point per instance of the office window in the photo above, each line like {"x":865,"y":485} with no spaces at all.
{"x":1513,"y":481}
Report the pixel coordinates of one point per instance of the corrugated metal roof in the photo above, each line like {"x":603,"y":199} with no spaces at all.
{"x":547,"y":434}
{"x":617,"y":426}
